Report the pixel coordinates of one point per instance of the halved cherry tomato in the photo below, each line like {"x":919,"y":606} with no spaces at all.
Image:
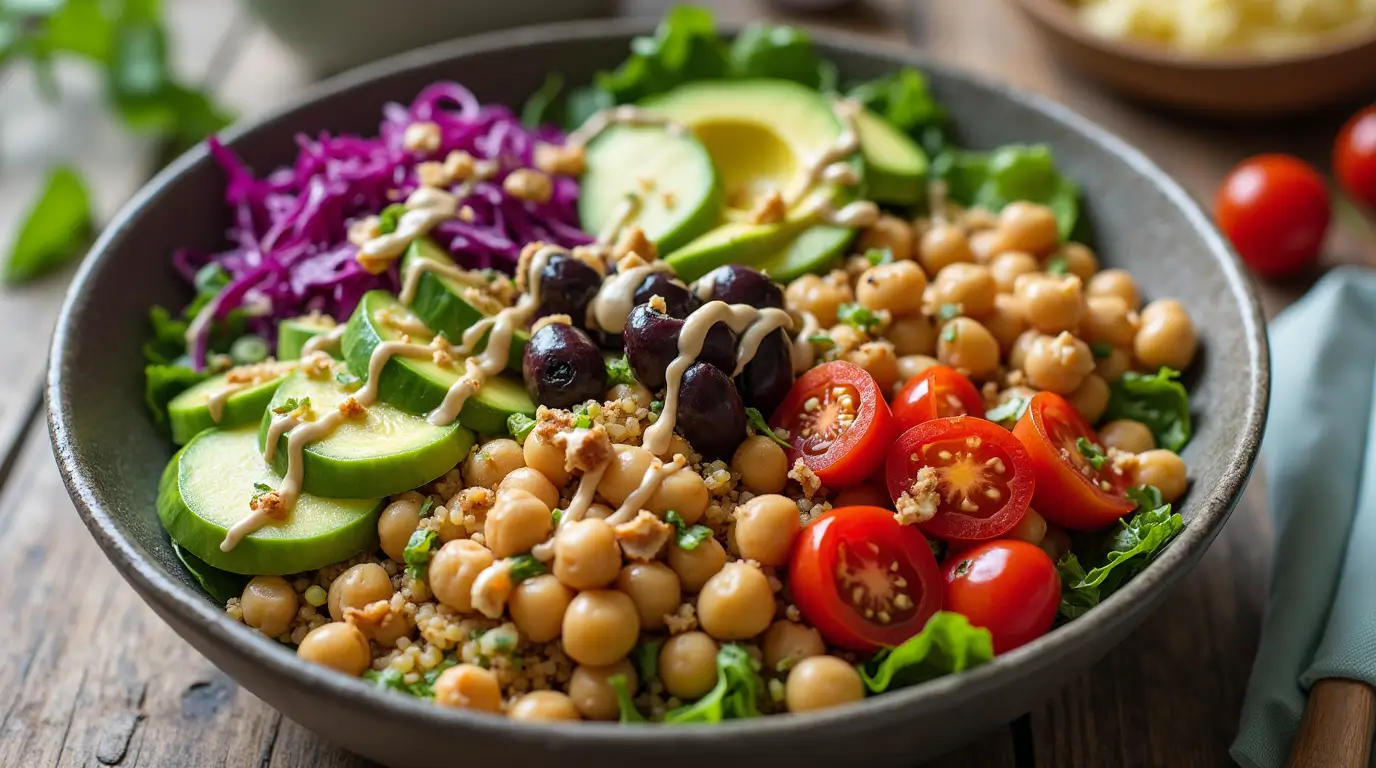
{"x":1275,"y":209}
{"x":1010,"y":588}
{"x":838,"y":422}
{"x":864,"y":581}
{"x":1070,"y":491}
{"x":1354,"y":158}
{"x":970,"y":477}
{"x":936,"y":393}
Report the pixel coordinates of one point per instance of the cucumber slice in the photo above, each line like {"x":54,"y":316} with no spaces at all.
{"x":439,"y":301}
{"x":895,"y":166}
{"x":385,"y":452}
{"x":206,"y":489}
{"x":419,"y":385}
{"x":190,"y":411}
{"x":293,"y":334}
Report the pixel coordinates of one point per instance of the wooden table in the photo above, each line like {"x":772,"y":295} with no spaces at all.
{"x":88,"y":675}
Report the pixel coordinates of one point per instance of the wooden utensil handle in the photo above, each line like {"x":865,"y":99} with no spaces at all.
{"x":1337,"y":726}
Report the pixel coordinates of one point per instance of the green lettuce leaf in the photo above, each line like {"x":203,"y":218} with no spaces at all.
{"x":903,"y":99}
{"x":55,"y":231}
{"x":164,"y":382}
{"x":735,"y":696}
{"x":1126,"y":551}
{"x":624,"y":700}
{"x":1158,"y":400}
{"x":946,"y":645}
{"x":779,"y":52}
{"x":1012,"y":172}
{"x":220,"y":585}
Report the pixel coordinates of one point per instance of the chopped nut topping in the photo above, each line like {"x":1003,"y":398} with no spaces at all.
{"x":474,"y":501}
{"x":585,"y":450}
{"x":633,"y":240}
{"x":351,"y":408}
{"x":458,"y":166}
{"x":919,"y":503}
{"x":529,"y":184}
{"x":364,"y":229}
{"x":257,"y":373}
{"x":431,"y":174}
{"x":466,"y":214}
{"x":422,"y":136}
{"x":371,"y":616}
{"x":316,"y":365}
{"x":769,"y":209}
{"x":269,"y":504}
{"x":643,"y":537}
{"x":567,"y":160}
{"x":658,"y":304}
{"x":592,"y":256}
{"x":684,"y":620}
{"x":804,"y":476}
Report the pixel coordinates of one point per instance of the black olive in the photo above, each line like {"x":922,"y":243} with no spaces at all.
{"x":768,"y":376}
{"x":651,"y":339}
{"x":736,"y":284}
{"x":563,"y":367}
{"x":677,"y":298}
{"x":567,"y":286}
{"x":710,"y":413}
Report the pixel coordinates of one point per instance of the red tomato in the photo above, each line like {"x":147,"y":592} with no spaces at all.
{"x":1009,"y":587}
{"x":864,"y":581}
{"x":1354,"y":158}
{"x":975,"y":472}
{"x":838,"y":423}
{"x":1070,"y":491}
{"x":936,"y":393}
{"x":1275,"y":210}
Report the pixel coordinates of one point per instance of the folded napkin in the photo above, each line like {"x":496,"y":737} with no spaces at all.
{"x":1320,"y":451}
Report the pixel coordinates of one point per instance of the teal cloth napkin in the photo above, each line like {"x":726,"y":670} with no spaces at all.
{"x":1320,"y":451}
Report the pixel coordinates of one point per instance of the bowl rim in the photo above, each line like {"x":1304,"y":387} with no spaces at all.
{"x":1059,"y":15}
{"x":894,"y":708}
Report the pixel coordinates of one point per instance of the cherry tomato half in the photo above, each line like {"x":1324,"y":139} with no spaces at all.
{"x":1275,"y":210}
{"x":864,"y":581}
{"x":1010,"y":588}
{"x":971,"y":476}
{"x":1070,"y":491}
{"x":838,"y":422}
{"x":936,"y":393}
{"x":1354,"y":158}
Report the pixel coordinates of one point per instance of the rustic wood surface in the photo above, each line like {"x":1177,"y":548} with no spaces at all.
{"x":88,"y":674}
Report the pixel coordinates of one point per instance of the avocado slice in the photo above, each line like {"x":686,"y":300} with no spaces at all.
{"x":419,"y":385}
{"x":443,"y":303}
{"x":815,"y":249}
{"x":625,"y":160}
{"x":895,"y":166}
{"x":293,"y":334}
{"x":189,"y":412}
{"x":385,"y":452}
{"x":206,"y":489}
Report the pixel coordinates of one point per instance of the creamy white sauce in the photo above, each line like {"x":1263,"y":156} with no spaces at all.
{"x":622,"y":215}
{"x":820,"y":168}
{"x":236,"y":533}
{"x":218,"y":398}
{"x":626,"y":114}
{"x":417,"y":267}
{"x":582,"y":498}
{"x":324,"y":342}
{"x":770,"y":320}
{"x":616,"y":298}
{"x":427,"y":207}
{"x":802,"y":353}
{"x":648,"y":485}
{"x":492,"y":588}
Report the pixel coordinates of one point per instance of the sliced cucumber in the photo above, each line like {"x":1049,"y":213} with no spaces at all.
{"x":440,"y":304}
{"x":207,"y":487}
{"x":895,"y":166}
{"x":419,"y":385}
{"x":293,"y":334}
{"x":387,"y":451}
{"x":190,"y":411}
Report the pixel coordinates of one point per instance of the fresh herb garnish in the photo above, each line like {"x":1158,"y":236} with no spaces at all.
{"x":1058,"y":265}
{"x":417,"y":552}
{"x":950,"y":333}
{"x":292,"y":404}
{"x":656,"y":406}
{"x":619,"y":372}
{"x":426,"y":506}
{"x":1101,"y":349}
{"x":1158,"y":400}
{"x":519,"y":425}
{"x":390,"y":217}
{"x":947,"y":312}
{"x":858,"y":316}
{"x":756,"y":420}
{"x":1013,"y":172}
{"x":556,"y":515}
{"x":526,"y":567}
{"x":735,"y":695}
{"x":688,"y":536}
{"x":645,"y":657}
{"x":822,"y":340}
{"x":879,"y":256}
{"x":347,"y":380}
{"x":582,"y":419}
{"x":1123,"y":554}
{"x":629,"y":714}
{"x":1011,"y":409}
{"x":946,"y":645}
{"x":260,"y":490}
{"x":1092,"y":453}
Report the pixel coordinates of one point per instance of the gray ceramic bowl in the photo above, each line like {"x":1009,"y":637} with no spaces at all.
{"x":111,"y":456}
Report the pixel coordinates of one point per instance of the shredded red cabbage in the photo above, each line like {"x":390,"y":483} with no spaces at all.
{"x":290,"y":250}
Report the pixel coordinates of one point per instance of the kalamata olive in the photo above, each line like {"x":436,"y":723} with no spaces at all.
{"x":566,"y":287}
{"x":768,"y":376}
{"x":563,"y":367}
{"x":679,"y":300}
{"x":651,"y":339}
{"x":735,"y":284}
{"x":710,"y":412}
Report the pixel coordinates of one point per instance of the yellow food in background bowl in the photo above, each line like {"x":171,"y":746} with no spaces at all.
{"x":1217,"y":27}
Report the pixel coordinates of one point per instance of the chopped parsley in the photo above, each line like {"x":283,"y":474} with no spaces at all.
{"x":526,"y":567}
{"x":426,"y":506}
{"x":756,"y":420}
{"x":645,"y":657}
{"x":519,"y":425}
{"x":417,"y":553}
{"x":1058,"y":265}
{"x":390,"y":217}
{"x":950,"y":333}
{"x":292,"y":404}
{"x":1011,"y":409}
{"x":582,"y":420}
{"x":1092,"y":453}
{"x":1101,"y":349}
{"x":619,"y":372}
{"x":879,"y":256}
{"x":947,"y":312}
{"x":260,"y":490}
{"x":858,"y":317}
{"x":689,"y":536}
{"x":822,"y":340}
{"x":656,"y":406}
{"x":347,"y":380}
{"x":556,"y":515}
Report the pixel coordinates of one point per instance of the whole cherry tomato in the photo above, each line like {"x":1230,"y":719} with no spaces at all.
{"x":1275,"y":210}
{"x":1354,"y":158}
{"x":1010,"y":588}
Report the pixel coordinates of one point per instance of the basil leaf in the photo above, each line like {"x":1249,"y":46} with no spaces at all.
{"x":1158,"y":400}
{"x":756,"y":420}
{"x":946,"y":645}
{"x":55,"y":231}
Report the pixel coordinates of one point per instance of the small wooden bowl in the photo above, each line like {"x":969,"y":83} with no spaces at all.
{"x":1229,"y":85}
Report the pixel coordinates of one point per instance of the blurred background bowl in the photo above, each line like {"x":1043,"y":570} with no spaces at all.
{"x":1232,"y":85}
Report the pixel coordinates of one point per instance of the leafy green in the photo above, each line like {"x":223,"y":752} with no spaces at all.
{"x":946,"y":645}
{"x":645,"y":657}
{"x":756,"y":420}
{"x":417,"y":552}
{"x":392,"y":680}
{"x":656,"y":406}
{"x":858,"y":316}
{"x":426,"y":506}
{"x":168,"y":343}
{"x":1126,"y":551}
{"x":347,"y":380}
{"x":1101,"y":349}
{"x":1008,"y":411}
{"x":389,"y":218}
{"x":1058,"y":265}
{"x":903,"y":99}
{"x":161,"y":383}
{"x":1158,"y":400}
{"x":629,"y":714}
{"x":1012,"y":172}
{"x":619,"y":372}
{"x":1091,"y":452}
{"x":1145,"y":496}
{"x":220,"y":585}
{"x":688,"y":536}
{"x":543,"y":107}
{"x":526,"y":567}
{"x":519,"y":425}
{"x":55,"y":230}
{"x":879,"y":256}
{"x":735,"y":696}
{"x":780,"y":52}
{"x":292,"y":404}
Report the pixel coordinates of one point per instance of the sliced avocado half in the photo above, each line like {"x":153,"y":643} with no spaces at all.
{"x":447,"y":305}
{"x":895,"y":166}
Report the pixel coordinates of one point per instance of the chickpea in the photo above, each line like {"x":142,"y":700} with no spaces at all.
{"x":1017,"y":355}
{"x":269,"y":604}
{"x":1055,"y":543}
{"x":971,"y":286}
{"x":516,"y":523}
{"x":393,"y":627}
{"x":1007,"y":322}
{"x":684,"y":492}
{"x":989,"y":243}
{"x":1167,"y":336}
{"x":537,"y":606}
{"x":765,"y":529}
{"x":1058,"y":364}
{"x":976,"y":219}
{"x":655,"y":590}
{"x":1113,"y":367}
{"x":543,"y":706}
{"x":624,"y":473}
{"x":452,"y":571}
{"x":1031,"y":528}
{"x":1108,"y":319}
{"x":846,"y":337}
{"x":1115,"y":282}
{"x":788,"y":642}
{"x":540,"y":453}
{"x":895,"y":287}
{"x":592,"y":693}
{"x":821,"y":682}
{"x":942,"y":245}
{"x":1079,"y":260}
{"x":469,"y":686}
{"x":636,"y":393}
{"x":337,"y":645}
{"x":695,"y":566}
{"x":1127,"y":435}
{"x":1029,"y":227}
{"x":1090,"y":398}
{"x":1163,"y":469}
{"x":1008,"y":266}
{"x":968,"y":347}
{"x":820,"y":296}
{"x":586,"y":554}
{"x":762,"y":464}
{"x":493,"y":461}
{"x":889,"y":232}
{"x":911,"y":365}
{"x":878,"y":360}
{"x":736,"y":603}
{"x":357,"y":587}
{"x":688,"y":665}
{"x":912,"y":335}
{"x":600,"y":627}
{"x":532,"y":482}
{"x":1054,"y":304}
{"x":395,"y":526}
{"x":863,"y":495}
